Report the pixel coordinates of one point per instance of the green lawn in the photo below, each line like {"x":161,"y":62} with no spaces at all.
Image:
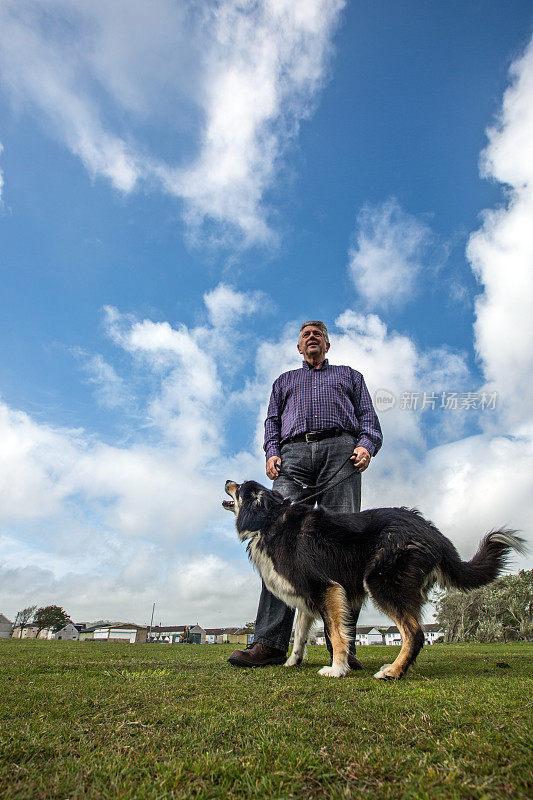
{"x":87,"y":720}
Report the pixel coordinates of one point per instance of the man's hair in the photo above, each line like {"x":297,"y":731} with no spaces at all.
{"x":319,"y":324}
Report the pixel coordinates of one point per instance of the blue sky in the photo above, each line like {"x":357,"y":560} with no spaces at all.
{"x":181,"y":185}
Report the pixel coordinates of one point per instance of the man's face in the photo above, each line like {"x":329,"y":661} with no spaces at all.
{"x":311,"y":343}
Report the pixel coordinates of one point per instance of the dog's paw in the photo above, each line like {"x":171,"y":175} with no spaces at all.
{"x":387,"y":673}
{"x":293,"y":661}
{"x":334,"y":671}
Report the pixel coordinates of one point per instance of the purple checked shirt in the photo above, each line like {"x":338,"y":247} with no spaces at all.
{"x":310,"y":399}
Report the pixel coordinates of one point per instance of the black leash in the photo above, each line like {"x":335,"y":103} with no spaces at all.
{"x":320,"y":486}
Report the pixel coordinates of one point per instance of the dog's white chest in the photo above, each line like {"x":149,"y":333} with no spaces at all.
{"x":275,"y":582}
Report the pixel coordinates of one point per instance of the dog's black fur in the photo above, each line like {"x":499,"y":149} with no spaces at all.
{"x":325,"y":563}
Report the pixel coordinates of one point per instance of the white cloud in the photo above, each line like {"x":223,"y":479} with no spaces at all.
{"x":265,"y":64}
{"x":390,"y":251}
{"x":109,"y":388}
{"x":225,"y":305}
{"x":208,"y":590}
{"x":32,"y":459}
{"x":231,"y":80}
{"x":501,"y":251}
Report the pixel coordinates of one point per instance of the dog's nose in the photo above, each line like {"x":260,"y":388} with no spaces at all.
{"x":228,"y":483}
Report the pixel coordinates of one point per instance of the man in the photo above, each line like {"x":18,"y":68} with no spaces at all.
{"x":317,"y":415}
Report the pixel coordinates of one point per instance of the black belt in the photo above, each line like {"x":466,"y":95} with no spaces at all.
{"x":316,"y":436}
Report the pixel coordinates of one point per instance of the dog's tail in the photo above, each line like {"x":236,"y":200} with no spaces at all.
{"x":489,"y":561}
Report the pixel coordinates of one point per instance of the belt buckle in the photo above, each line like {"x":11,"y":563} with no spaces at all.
{"x":309,"y":437}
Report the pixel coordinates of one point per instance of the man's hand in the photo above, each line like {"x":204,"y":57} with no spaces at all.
{"x":360,"y":458}
{"x":272,"y":467}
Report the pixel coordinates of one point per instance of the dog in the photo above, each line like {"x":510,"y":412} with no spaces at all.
{"x":325,"y":564}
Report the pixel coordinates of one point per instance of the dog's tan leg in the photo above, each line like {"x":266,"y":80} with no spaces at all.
{"x":301,"y":632}
{"x":412,"y":642}
{"x":335,"y":612}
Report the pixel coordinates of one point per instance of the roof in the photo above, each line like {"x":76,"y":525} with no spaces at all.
{"x":170,"y":628}
{"x":219,"y":631}
{"x":116,"y":625}
{"x":432,"y":627}
{"x":240,"y":631}
{"x":363,"y":629}
{"x":4,"y":620}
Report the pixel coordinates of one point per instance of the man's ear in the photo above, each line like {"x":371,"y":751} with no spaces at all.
{"x":327,"y":346}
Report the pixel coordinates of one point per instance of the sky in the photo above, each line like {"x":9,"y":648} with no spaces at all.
{"x":181,"y":185}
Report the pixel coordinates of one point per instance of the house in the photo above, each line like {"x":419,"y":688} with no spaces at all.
{"x":367,"y":634}
{"x":30,"y":632}
{"x":241,"y":636}
{"x":120,"y":632}
{"x":227,"y":633}
{"x":393,"y":635}
{"x":87,"y":632}
{"x":432,"y":632}
{"x":6,"y":626}
{"x":318,"y":636}
{"x":218,"y":635}
{"x":69,"y":632}
{"x":177,"y":634}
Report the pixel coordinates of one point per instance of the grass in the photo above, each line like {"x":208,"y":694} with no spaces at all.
{"x":88,"y":720}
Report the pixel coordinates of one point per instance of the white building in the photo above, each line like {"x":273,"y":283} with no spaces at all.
{"x":6,"y":626}
{"x":176,"y":634}
{"x":69,"y":632}
{"x":367,"y":634}
{"x":432,"y":632}
{"x":120,"y":632}
{"x":393,"y":635}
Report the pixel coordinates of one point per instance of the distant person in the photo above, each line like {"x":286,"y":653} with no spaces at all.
{"x":317,"y":414}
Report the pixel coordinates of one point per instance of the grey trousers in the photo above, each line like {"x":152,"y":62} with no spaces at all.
{"x":312,"y":463}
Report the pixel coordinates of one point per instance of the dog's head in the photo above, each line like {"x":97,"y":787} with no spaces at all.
{"x":253,"y":505}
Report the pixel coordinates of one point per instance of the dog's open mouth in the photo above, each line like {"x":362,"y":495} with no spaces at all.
{"x":231,"y":489}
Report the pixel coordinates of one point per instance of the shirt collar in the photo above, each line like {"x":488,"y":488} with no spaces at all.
{"x":324,"y":364}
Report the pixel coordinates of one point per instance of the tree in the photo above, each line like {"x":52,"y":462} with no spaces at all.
{"x":53,"y":617}
{"x":23,"y":618}
{"x":249,"y":627}
{"x":499,"y":611}
{"x":514,"y":605}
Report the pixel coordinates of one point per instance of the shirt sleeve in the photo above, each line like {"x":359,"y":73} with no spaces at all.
{"x":370,"y":435}
{"x":273,"y":424}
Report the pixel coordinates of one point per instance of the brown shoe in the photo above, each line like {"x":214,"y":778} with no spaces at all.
{"x":257,"y":655}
